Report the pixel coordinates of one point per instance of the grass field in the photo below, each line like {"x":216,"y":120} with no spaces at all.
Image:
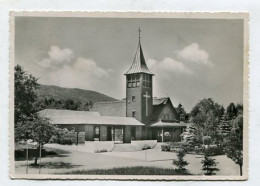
{"x":139,"y":170}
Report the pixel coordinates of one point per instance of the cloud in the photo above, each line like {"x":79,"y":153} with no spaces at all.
{"x":66,"y":70}
{"x":57,"y":57}
{"x":193,"y":53}
{"x":168,"y":66}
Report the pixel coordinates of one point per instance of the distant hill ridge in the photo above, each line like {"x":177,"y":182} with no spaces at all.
{"x":75,"y":94}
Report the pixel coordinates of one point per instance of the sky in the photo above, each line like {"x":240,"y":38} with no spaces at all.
{"x":192,"y":59}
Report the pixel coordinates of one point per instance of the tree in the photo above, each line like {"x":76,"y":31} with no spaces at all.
{"x":232,"y":111}
{"x":190,"y":135}
{"x":63,"y":136}
{"x":28,"y":124}
{"x":183,"y":116}
{"x":39,"y":130}
{"x":205,"y":116}
{"x":25,"y":96}
{"x":234,"y":143}
{"x":181,"y":163}
{"x":209,"y":165}
{"x":225,"y":125}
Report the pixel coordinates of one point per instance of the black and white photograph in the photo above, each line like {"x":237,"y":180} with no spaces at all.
{"x":156,"y":96}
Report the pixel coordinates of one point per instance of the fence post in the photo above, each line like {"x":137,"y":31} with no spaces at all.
{"x":40,"y":159}
{"x":27,"y":154}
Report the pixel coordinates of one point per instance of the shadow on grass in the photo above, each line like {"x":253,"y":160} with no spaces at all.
{"x":49,"y":153}
{"x":139,"y":170}
{"x":54,"y":165}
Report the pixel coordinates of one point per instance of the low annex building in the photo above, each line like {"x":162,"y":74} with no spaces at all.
{"x":94,"y":126}
{"x":139,"y":116}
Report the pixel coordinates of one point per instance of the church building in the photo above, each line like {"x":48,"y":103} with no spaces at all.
{"x":160,"y":119}
{"x":139,"y":116}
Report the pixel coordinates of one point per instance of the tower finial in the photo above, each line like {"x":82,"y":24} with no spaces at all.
{"x":139,"y":30}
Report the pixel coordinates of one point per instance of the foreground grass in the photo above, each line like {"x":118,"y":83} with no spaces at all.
{"x":139,"y":170}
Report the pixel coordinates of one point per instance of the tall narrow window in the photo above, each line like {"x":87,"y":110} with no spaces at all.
{"x":138,"y":80}
{"x":129,"y":81}
{"x":144,"y":79}
{"x":133,"y":81}
{"x":147,"y":80}
{"x":133,"y":114}
{"x":133,"y":98}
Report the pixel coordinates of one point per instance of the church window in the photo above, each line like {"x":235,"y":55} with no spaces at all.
{"x":129,"y":81}
{"x":137,"y":80}
{"x":133,"y":80}
{"x":133,"y":114}
{"x":133,"y":98}
{"x":147,"y":80}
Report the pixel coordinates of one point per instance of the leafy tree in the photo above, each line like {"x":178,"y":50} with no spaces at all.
{"x":234,"y":143}
{"x":63,"y":136}
{"x":205,"y":116}
{"x":28,"y":124}
{"x":39,"y":130}
{"x":25,"y":96}
{"x":209,"y":165}
{"x":181,"y":163}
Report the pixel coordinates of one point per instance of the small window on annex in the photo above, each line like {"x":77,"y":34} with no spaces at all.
{"x":96,"y":133}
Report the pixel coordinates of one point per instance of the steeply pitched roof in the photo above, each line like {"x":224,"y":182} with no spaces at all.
{"x":110,"y":108}
{"x":158,"y":106}
{"x":158,"y":101}
{"x":139,"y":64}
{"x":64,"y":117}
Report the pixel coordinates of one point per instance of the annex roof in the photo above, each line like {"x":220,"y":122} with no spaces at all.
{"x":61,"y":113}
{"x":168,"y":124}
{"x":139,"y":64}
{"x":76,"y":117}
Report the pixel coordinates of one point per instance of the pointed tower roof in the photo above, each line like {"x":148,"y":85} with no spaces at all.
{"x":139,"y":64}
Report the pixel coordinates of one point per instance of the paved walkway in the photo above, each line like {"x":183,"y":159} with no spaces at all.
{"x":151,"y":157}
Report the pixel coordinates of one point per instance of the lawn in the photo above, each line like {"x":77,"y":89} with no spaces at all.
{"x":138,"y":170}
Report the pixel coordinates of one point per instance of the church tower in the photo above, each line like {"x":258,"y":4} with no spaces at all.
{"x":139,"y":89}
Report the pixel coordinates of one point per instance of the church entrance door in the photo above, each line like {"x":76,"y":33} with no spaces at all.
{"x":116,"y":133}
